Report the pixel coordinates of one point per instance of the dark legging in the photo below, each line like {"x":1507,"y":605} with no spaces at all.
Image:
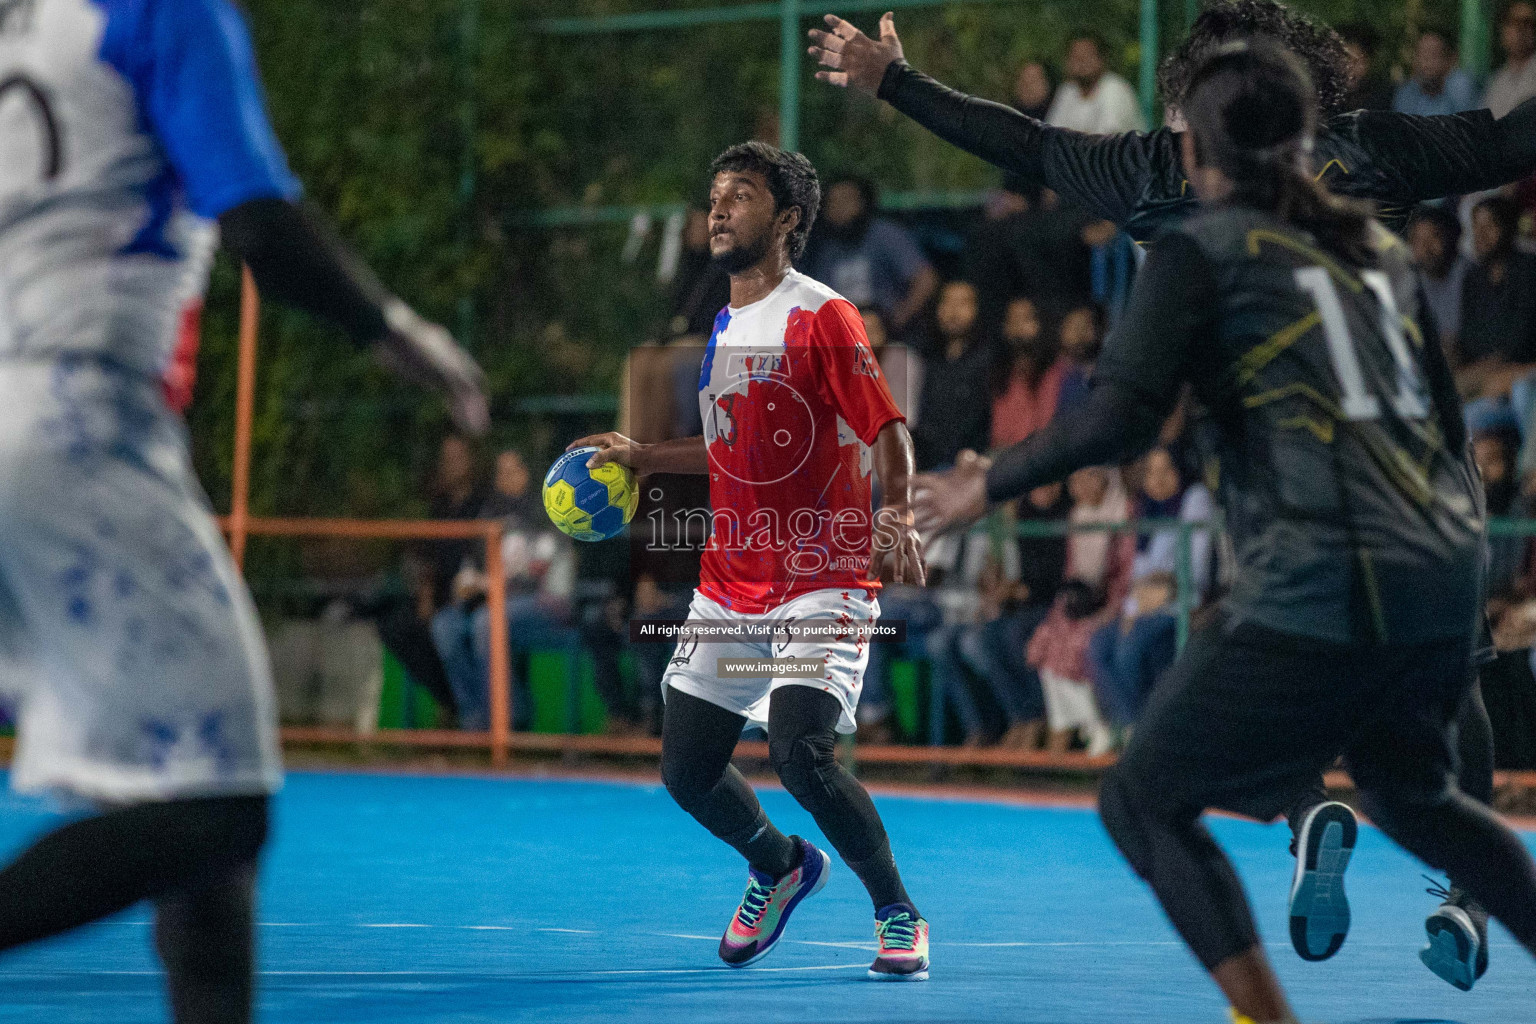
{"x":1474,"y":750}
{"x":698,"y":739}
{"x":196,"y":859}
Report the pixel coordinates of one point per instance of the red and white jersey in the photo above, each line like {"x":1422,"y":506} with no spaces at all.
{"x":792,"y":397}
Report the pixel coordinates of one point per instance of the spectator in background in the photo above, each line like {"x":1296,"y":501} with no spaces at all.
{"x":1033,"y":91}
{"x":700,"y":288}
{"x":1164,"y":495}
{"x":901,"y":364}
{"x":539,"y":568}
{"x":1515,"y":82}
{"x":1059,"y":652}
{"x":1094,"y":99}
{"x":1031,"y":244}
{"x":953,"y":416}
{"x":869,"y":260}
{"x":1367,"y":90}
{"x":1100,"y":558}
{"x":1434,"y":237}
{"x":1027,"y":383}
{"x":1437,"y":85}
{"x":1494,"y":451}
{"x":1127,"y":656}
{"x":456,"y":492}
{"x":1496,"y":346}
{"x":1081,"y":336}
{"x":963,"y":568}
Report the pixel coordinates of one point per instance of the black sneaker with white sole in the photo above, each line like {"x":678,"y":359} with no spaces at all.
{"x":1319,"y":908}
{"x":1458,"y":938}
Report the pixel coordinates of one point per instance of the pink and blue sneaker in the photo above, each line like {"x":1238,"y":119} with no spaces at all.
{"x":902,"y":937}
{"x":765,"y":907}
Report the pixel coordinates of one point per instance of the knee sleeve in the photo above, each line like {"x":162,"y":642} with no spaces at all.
{"x":688,"y":782}
{"x":800,"y":761}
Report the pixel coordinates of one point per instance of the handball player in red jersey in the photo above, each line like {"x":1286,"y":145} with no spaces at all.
{"x":796,"y":415}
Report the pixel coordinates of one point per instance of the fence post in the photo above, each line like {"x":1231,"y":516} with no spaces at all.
{"x":789,"y":74}
{"x":501,"y":656}
{"x":1474,"y":38}
{"x":1148,"y":59}
{"x":245,"y":411}
{"x":1185,"y":576}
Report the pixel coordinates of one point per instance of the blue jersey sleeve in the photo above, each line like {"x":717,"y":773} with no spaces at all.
{"x":192,"y":68}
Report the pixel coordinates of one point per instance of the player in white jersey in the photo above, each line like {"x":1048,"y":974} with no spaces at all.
{"x":796,"y":413}
{"x":131,"y":133}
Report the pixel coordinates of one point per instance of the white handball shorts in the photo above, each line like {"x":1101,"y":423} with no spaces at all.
{"x":694,"y":669}
{"x":130,"y":653}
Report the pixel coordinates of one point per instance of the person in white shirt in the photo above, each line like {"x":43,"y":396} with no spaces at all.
{"x":1094,"y":99}
{"x":1516,"y":80}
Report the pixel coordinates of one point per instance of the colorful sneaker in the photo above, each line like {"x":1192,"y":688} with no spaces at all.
{"x":1319,"y":908}
{"x":766,"y":906}
{"x":903,"y":944}
{"x":1458,"y":938}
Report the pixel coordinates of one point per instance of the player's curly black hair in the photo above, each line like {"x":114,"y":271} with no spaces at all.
{"x":790,"y":177}
{"x":1317,"y":46}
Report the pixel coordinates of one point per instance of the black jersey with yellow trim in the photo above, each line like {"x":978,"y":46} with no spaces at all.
{"x":1136,"y":179}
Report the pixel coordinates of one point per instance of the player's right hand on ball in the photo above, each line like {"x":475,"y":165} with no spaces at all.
{"x":421,"y":352}
{"x":851,"y":56}
{"x":614,"y":447}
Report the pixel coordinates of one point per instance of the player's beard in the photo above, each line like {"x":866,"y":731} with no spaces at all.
{"x":743,"y":254}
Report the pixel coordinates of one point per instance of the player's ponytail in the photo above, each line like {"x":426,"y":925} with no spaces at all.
{"x":1253,"y":113}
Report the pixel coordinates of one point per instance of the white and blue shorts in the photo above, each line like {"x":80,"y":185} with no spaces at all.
{"x":131,"y":656}
{"x":695,"y":668}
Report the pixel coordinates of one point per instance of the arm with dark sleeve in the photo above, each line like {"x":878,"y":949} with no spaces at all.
{"x":1137,"y":381}
{"x":1441,"y":383}
{"x":1431,"y":157}
{"x":1102,"y":173}
{"x":196,"y":74}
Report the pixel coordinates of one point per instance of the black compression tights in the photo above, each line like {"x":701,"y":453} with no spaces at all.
{"x":196,"y":859}
{"x":698,"y":739}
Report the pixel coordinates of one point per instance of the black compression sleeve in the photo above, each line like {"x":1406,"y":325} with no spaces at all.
{"x":1441,"y":383}
{"x":297,"y":260}
{"x":1516,"y":132}
{"x":1114,"y":424}
{"x":1104,"y":174}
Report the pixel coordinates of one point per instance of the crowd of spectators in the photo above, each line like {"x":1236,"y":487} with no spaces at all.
{"x":1028,"y":637}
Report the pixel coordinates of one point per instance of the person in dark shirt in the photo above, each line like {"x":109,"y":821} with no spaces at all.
{"x":1498,"y":304}
{"x":700,"y":289}
{"x":1358,"y":535}
{"x":1033,"y":90}
{"x":1138,"y":181}
{"x":1365,"y":88}
{"x":954,"y":414}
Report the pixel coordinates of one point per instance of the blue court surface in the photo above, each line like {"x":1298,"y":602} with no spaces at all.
{"x":404,"y":898}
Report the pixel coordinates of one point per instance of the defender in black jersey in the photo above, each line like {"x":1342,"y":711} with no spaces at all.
{"x":1295,"y":318}
{"x":1137,"y":181}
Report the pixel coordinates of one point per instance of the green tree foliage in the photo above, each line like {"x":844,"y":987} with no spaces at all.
{"x":383,"y":105}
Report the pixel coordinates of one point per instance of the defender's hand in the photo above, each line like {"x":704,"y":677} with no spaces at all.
{"x":853,"y":57}
{"x":615,"y":447}
{"x":898,"y":550}
{"x":423,"y":353}
{"x":953,"y":499}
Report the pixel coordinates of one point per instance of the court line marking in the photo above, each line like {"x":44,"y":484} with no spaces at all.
{"x":564,"y":931}
{"x":721,"y":970}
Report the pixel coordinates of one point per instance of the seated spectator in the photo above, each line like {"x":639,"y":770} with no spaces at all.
{"x":901,"y":364}
{"x":700,"y":288}
{"x":1094,"y":99}
{"x":1164,"y":495}
{"x":1027,"y":383}
{"x":1434,"y":237}
{"x":1031,"y":244}
{"x":1082,"y":335}
{"x":1033,"y":91}
{"x":962,"y":568}
{"x":1100,"y":558}
{"x":950,"y":418}
{"x":1515,"y":82}
{"x":1059,"y":652}
{"x":1126,"y":657}
{"x":1367,"y":90}
{"x":1496,"y":346}
{"x":867,"y":259}
{"x":915,"y":606}
{"x":1437,"y":85}
{"x":539,"y":567}
{"x":1494,"y":451}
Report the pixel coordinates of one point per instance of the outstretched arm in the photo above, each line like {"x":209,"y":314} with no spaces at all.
{"x":1102,"y":173}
